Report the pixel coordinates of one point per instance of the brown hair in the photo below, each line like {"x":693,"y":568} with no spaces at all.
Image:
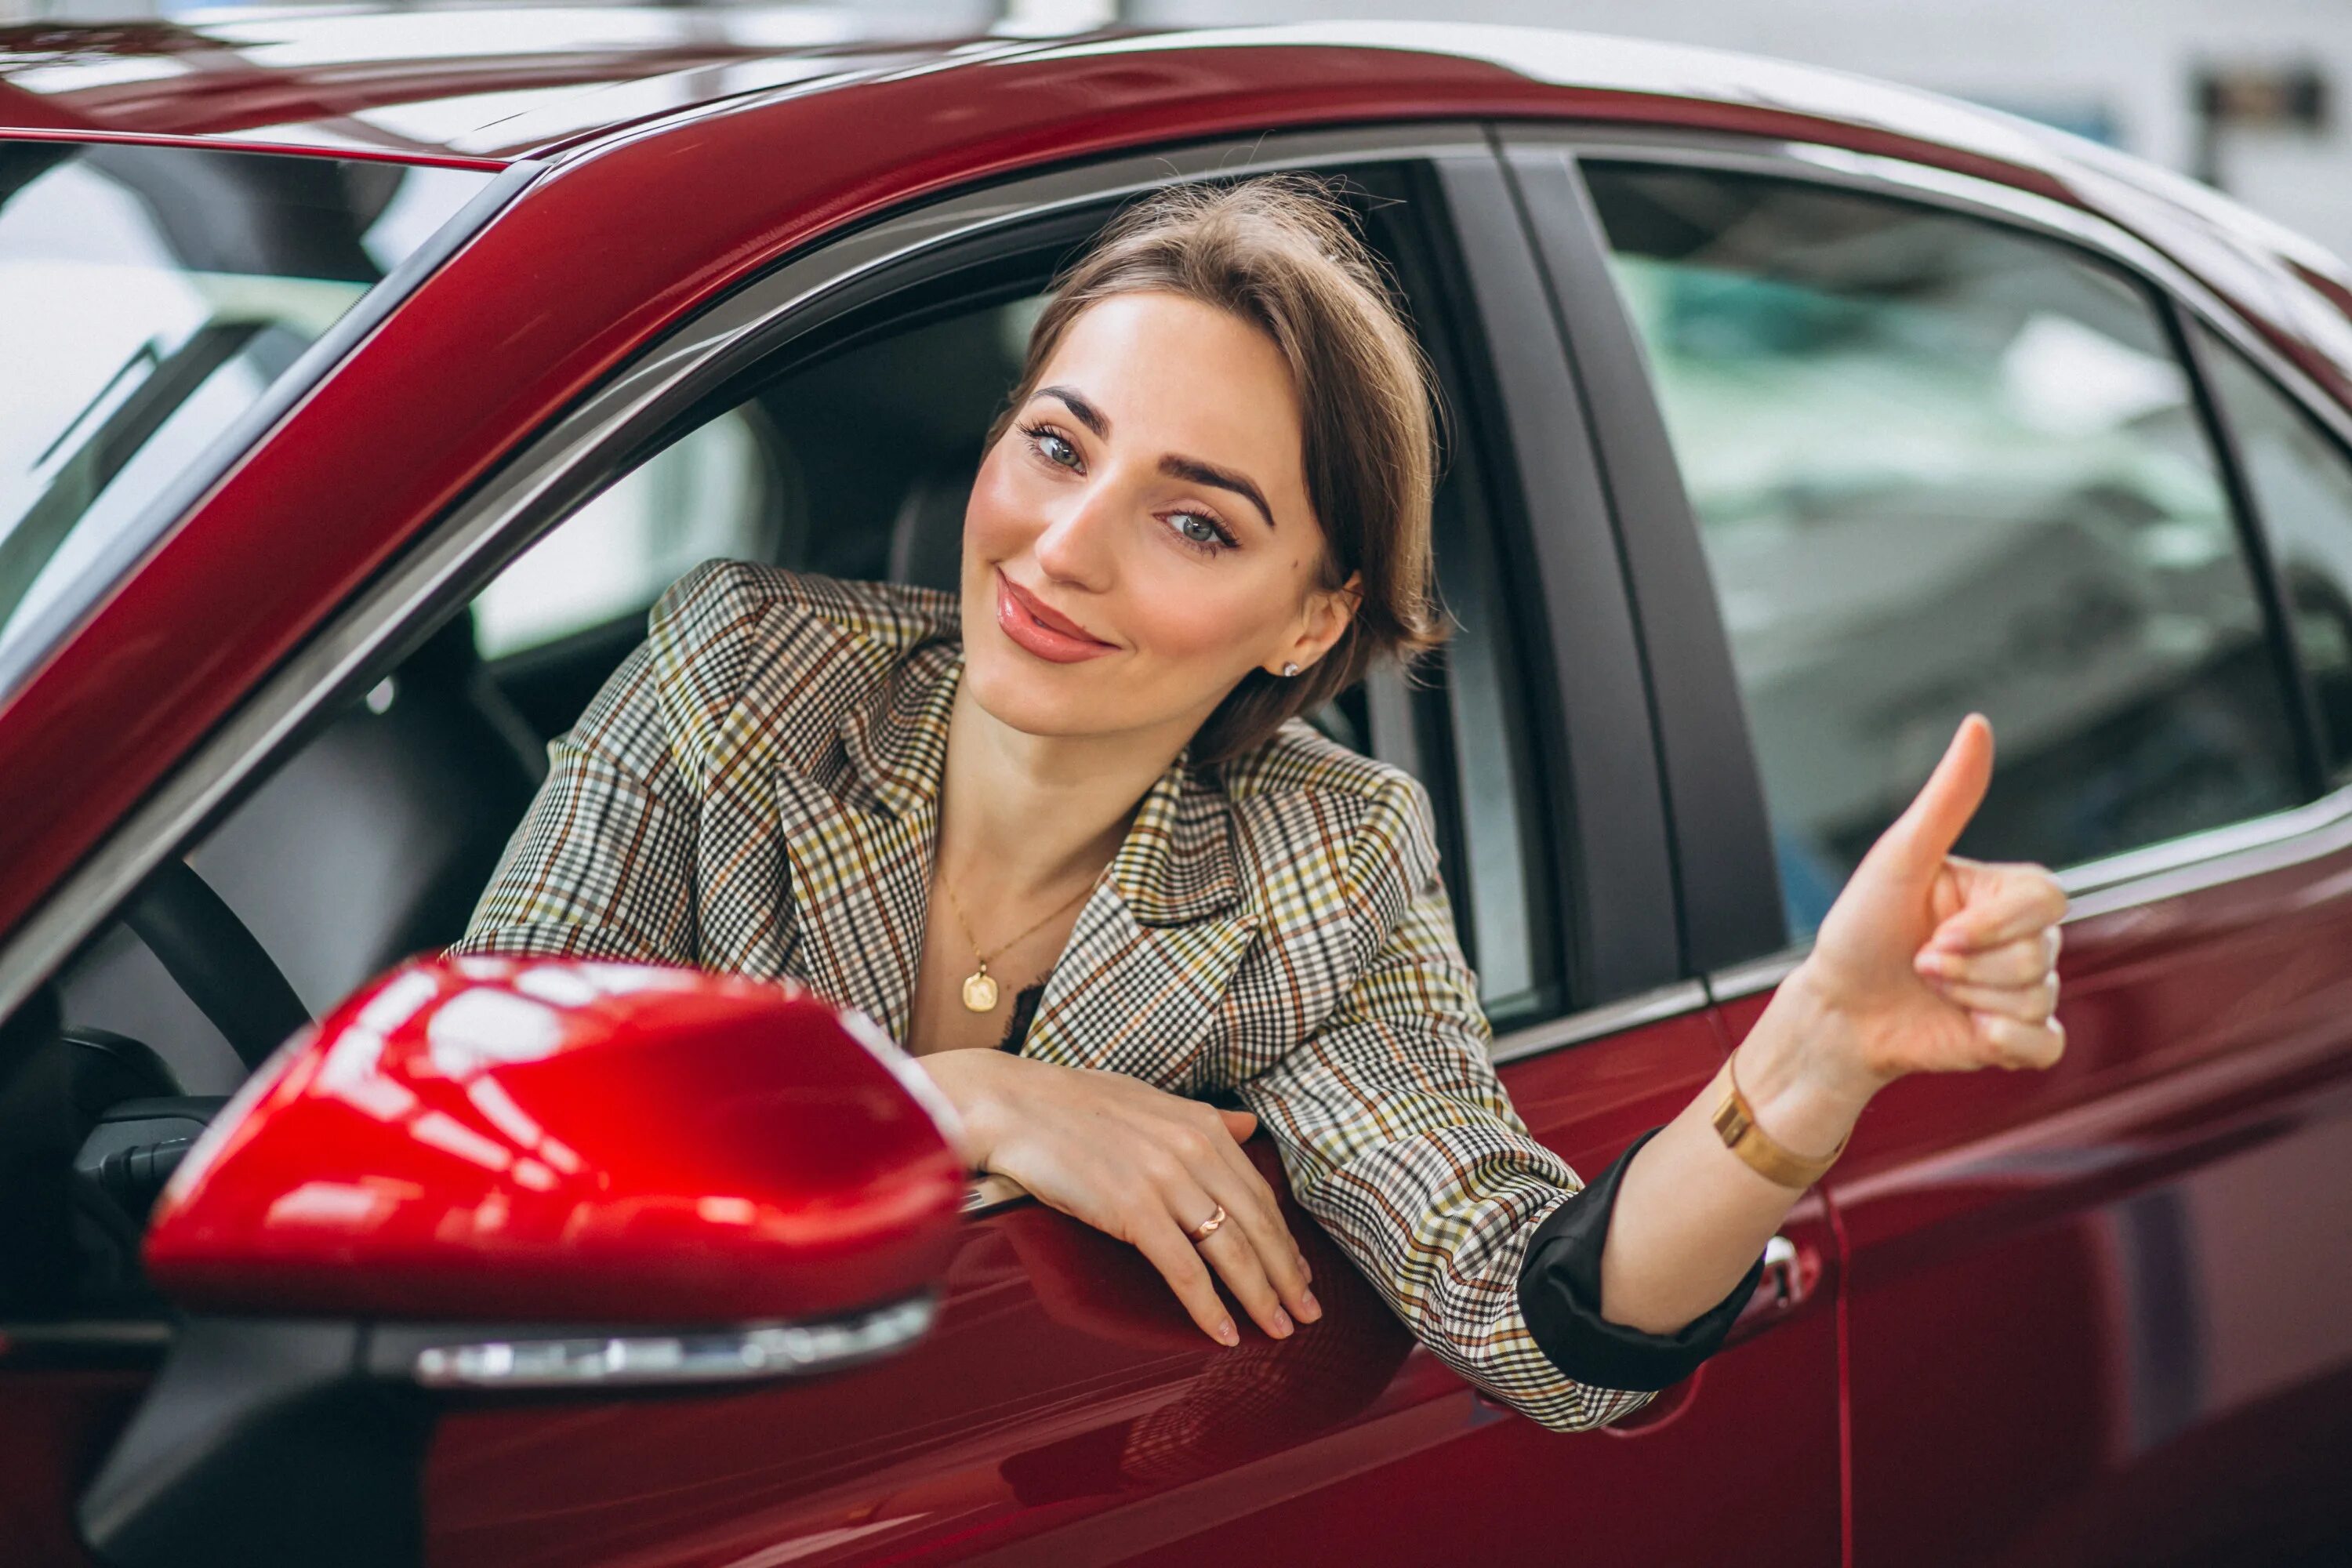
{"x":1281,"y":253}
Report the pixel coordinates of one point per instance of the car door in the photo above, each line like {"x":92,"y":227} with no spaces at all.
{"x":1940,"y":446}
{"x":1063,"y":1408}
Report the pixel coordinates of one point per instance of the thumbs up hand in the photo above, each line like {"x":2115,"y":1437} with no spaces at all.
{"x":1934,"y":963}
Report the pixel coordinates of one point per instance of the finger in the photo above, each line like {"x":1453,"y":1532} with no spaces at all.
{"x":1239,"y":1158}
{"x":2020,"y":962}
{"x":1918,"y":840}
{"x":2026,"y":1004}
{"x":1250,"y":1200}
{"x":1293,"y":1259}
{"x":2007,"y":903}
{"x":1229,"y":1250}
{"x":1187,"y":1273}
{"x":2017,"y":1044}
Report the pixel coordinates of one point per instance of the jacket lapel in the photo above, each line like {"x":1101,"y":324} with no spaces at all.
{"x":860,"y":858}
{"x":1146,"y":964}
{"x":1148,"y":960}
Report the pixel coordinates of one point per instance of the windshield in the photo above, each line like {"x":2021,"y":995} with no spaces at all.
{"x":158,"y":299}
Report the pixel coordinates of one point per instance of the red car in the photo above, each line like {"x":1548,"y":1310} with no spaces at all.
{"x":363,"y":377}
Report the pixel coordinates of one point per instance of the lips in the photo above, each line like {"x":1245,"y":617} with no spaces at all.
{"x":1037,"y":628}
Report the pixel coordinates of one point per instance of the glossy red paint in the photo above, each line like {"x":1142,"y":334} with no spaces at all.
{"x":2102,"y":1315}
{"x":675,"y":211}
{"x":487,"y":1138}
{"x":1063,"y":1409}
{"x":490,"y":79}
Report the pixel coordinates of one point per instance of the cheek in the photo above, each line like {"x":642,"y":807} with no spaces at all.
{"x":1216,"y":619}
{"x":996,"y":521}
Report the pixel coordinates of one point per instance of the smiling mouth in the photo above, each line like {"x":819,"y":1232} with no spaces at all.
{"x":1037,"y":628}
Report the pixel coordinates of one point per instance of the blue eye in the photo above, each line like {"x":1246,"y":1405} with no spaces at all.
{"x":1198,"y":531}
{"x":1052,"y":446}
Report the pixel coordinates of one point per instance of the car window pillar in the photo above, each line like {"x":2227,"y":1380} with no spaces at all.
{"x":1719,"y":838}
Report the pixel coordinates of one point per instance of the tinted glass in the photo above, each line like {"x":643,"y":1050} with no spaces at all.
{"x":1938,"y":466}
{"x":2302,"y":488}
{"x":153,"y":297}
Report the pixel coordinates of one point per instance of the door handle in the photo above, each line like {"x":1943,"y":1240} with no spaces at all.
{"x":1791,"y":1274}
{"x":1784,"y":1279}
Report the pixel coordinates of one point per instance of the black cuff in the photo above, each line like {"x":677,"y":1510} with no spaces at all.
{"x":1560,"y":1292}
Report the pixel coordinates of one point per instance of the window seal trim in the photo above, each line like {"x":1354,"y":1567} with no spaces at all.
{"x":529,"y":491}
{"x":1655,"y":1005}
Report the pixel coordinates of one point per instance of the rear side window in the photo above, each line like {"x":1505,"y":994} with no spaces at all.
{"x":1939,"y":464}
{"x":2302,"y":489}
{"x":155,"y":296}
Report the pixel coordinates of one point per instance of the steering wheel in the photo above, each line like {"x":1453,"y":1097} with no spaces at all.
{"x":214,"y":957}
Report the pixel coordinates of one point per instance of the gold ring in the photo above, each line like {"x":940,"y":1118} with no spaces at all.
{"x":1200,"y":1233}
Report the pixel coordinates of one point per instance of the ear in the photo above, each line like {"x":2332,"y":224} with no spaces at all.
{"x":1322,"y":622}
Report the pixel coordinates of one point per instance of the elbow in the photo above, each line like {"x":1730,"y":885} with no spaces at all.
{"x":1581,"y":1407}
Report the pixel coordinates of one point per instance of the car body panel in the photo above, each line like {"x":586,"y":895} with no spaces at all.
{"x":2102,"y":1313}
{"x":1064,"y":1409}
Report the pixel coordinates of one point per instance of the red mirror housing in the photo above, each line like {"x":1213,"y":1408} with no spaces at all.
{"x":542,"y":1140}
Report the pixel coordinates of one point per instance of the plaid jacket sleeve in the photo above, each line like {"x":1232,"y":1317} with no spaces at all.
{"x":603,"y":865}
{"x":1397,"y":1136}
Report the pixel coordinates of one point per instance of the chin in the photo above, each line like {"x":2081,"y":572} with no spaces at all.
{"x":1039,"y":699}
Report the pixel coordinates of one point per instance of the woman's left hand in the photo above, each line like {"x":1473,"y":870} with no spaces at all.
{"x":1932,"y":962}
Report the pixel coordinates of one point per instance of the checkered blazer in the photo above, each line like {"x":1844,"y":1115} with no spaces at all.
{"x":756,"y":790}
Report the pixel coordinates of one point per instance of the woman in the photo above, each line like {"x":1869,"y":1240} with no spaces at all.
{"x":1069,"y":811}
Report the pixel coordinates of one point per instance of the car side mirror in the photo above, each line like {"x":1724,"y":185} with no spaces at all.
{"x":494,"y":1174}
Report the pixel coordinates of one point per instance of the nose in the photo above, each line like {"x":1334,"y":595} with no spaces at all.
{"x":1076,"y":544}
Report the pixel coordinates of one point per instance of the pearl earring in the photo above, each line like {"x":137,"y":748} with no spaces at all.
{"x":1289,"y":669}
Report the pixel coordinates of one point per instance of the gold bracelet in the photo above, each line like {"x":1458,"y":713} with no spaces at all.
{"x":1735,"y":1124}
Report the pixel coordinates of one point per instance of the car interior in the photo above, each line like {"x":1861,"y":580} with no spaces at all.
{"x":370,"y":842}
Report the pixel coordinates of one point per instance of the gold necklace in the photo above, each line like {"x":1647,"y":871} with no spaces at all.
{"x":980,"y":989}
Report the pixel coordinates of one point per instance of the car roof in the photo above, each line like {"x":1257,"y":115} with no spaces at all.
{"x":488,"y":84}
{"x":477,"y":82}
{"x":501,"y":82}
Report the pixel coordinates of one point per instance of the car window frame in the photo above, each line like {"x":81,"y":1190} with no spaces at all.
{"x":545,"y":474}
{"x":1705,"y":765}
{"x":1409,"y":714}
{"x":2193,"y":333}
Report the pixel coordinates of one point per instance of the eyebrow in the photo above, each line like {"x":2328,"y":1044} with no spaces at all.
{"x":1191,"y":468}
{"x":1202,"y":473}
{"x":1093,"y":418}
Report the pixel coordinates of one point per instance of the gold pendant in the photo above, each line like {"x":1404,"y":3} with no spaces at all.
{"x":980,"y":991}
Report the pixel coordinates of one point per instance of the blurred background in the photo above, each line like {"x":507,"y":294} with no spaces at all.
{"x":2242,"y":96}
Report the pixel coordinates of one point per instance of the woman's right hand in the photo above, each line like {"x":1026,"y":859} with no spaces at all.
{"x":1139,"y":1164}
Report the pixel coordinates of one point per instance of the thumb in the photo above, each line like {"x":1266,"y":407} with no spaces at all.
{"x":1240,"y":1123}
{"x":1920,"y":838}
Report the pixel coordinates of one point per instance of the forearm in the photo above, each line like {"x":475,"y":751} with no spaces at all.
{"x":1691,"y":1216}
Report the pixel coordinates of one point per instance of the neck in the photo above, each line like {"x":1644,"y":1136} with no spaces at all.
{"x":1023,"y":816}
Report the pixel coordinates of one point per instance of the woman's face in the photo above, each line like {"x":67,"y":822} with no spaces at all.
{"x":1141,"y":538}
